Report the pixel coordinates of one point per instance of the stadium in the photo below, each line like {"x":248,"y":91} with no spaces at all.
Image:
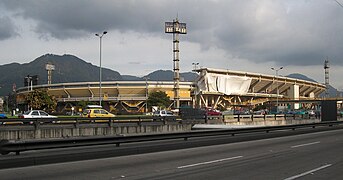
{"x":216,"y":88}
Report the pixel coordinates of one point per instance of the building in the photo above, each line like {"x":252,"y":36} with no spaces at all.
{"x":215,"y":88}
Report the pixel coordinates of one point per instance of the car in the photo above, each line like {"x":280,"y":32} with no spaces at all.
{"x":36,"y":114}
{"x":260,"y":112}
{"x":311,"y":112}
{"x":300,"y":112}
{"x":163,"y":115}
{"x":228,"y":112}
{"x":9,"y":121}
{"x":3,"y":116}
{"x":96,"y":112}
{"x":212,"y":112}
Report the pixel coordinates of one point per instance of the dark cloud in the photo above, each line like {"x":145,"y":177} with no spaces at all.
{"x":66,"y":19}
{"x":293,"y":32}
{"x":7,"y":28}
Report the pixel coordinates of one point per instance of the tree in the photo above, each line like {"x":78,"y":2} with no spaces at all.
{"x":159,"y":98}
{"x":40,"y":99}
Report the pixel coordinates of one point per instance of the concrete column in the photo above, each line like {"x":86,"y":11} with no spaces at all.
{"x":311,"y":95}
{"x":294,"y":94}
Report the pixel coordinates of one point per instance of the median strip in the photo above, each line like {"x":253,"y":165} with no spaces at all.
{"x":209,"y":162}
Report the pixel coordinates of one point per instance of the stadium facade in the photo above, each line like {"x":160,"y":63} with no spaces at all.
{"x":217,"y":88}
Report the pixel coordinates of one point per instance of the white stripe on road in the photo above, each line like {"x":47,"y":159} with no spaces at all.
{"x":307,"y":144}
{"x":308,"y":172}
{"x":209,"y":162}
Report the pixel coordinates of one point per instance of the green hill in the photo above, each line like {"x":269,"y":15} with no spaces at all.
{"x":68,"y":68}
{"x":168,"y":75}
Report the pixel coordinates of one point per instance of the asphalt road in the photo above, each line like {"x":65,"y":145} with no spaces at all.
{"x":316,"y":155}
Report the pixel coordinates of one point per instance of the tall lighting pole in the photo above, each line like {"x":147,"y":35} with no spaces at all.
{"x":176,"y":28}
{"x":146,"y":93}
{"x":100,"y":37}
{"x":326,"y":69}
{"x":277,"y":87}
{"x":29,"y":84}
{"x":195,"y":64}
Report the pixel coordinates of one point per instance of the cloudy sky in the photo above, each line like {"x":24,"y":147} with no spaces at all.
{"x":244,"y":35}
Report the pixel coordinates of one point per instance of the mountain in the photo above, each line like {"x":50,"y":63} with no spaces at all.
{"x":168,"y":75}
{"x":68,"y":68}
{"x":300,"y":76}
{"x":131,"y":78}
{"x":189,"y":76}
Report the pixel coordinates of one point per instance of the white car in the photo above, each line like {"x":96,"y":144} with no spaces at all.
{"x":36,"y":114}
{"x":163,"y":113}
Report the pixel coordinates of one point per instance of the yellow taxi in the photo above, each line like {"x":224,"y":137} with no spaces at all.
{"x":96,"y":111}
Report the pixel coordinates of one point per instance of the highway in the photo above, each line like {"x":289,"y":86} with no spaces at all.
{"x":317,"y":155}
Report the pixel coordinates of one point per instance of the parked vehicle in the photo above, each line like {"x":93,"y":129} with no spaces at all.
{"x":97,"y":112}
{"x":241,"y":112}
{"x":212,"y":112}
{"x":3,"y":116}
{"x":228,"y":112}
{"x":36,"y":114}
{"x":260,"y":112}
{"x":311,"y":112}
{"x":9,"y":121}
{"x":163,"y":115}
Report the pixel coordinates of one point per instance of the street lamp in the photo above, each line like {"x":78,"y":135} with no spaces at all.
{"x":100,"y":37}
{"x":195,"y":64}
{"x":277,"y":87}
{"x":29,"y":82}
{"x":146,"y":93}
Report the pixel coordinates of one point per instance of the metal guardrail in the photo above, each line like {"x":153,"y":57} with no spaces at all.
{"x":275,"y":116}
{"x":17,"y":146}
{"x":78,"y":120}
{"x":138,"y":119}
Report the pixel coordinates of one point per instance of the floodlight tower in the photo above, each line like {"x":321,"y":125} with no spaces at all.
{"x":49,"y":67}
{"x":176,"y":28}
{"x":326,"y":69}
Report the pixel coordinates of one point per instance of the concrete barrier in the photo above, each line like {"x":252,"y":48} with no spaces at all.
{"x":64,"y":131}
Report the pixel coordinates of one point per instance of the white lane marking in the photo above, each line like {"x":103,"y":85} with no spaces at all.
{"x":308,"y":172}
{"x":307,"y":144}
{"x":209,"y":162}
